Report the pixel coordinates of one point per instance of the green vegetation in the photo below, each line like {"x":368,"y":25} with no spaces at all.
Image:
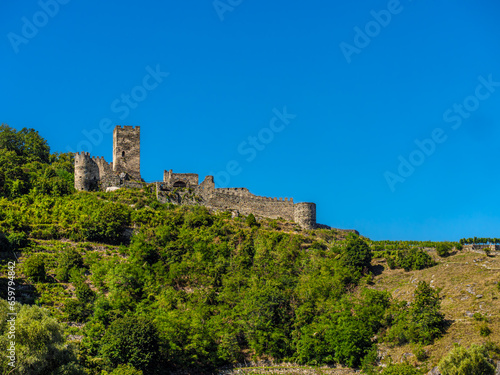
{"x":480,"y":241}
{"x":421,"y":322}
{"x":462,"y":361}
{"x":157,"y":288}
{"x":409,"y":259}
{"x":401,"y":369}
{"x":41,"y":348}
{"x":443,"y":249}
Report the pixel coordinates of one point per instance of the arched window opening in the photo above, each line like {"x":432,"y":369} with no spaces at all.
{"x":180,"y":184}
{"x":123,"y":154}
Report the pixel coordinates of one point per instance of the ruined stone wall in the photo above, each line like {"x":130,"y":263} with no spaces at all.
{"x":90,"y":171}
{"x":127,"y":151}
{"x":247,"y":204}
{"x":242,"y":200}
{"x":189,"y":179}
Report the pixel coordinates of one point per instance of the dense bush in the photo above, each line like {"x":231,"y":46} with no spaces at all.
{"x":357,"y":255}
{"x":18,"y":240}
{"x":251,"y":221}
{"x":41,"y":348}
{"x":130,"y":340}
{"x":462,"y":361}
{"x":443,"y":249}
{"x":410,"y":260}
{"x":421,"y":322}
{"x":34,"y":267}
{"x":401,"y":369}
{"x":68,"y":260}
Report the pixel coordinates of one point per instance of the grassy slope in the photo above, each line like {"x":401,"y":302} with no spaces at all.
{"x":468,"y":282}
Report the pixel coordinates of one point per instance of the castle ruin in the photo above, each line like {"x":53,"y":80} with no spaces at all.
{"x":94,"y":173}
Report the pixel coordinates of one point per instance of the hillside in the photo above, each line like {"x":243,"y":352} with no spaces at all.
{"x":469,"y":285}
{"x":116,"y":283}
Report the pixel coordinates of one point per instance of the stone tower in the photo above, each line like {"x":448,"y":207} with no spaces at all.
{"x":305,"y":215}
{"x":86,"y":172}
{"x":127,"y":151}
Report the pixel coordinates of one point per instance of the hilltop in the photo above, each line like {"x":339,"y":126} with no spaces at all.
{"x":118,"y":283}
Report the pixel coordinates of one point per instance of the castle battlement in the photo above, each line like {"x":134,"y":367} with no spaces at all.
{"x":133,"y":127}
{"x":92,"y":173}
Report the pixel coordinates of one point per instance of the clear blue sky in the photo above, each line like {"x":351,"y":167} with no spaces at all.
{"x":364,"y":79}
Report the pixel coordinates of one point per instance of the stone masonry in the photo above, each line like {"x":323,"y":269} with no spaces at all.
{"x":94,"y":173}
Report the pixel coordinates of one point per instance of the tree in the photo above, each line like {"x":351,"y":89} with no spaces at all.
{"x":132,"y":340}
{"x":462,"y":361}
{"x":34,"y":267}
{"x":443,"y":249}
{"x":26,"y":143}
{"x":427,"y":321}
{"x":41,"y":348}
{"x":357,"y":255}
{"x":251,"y":221}
{"x":69,"y":259}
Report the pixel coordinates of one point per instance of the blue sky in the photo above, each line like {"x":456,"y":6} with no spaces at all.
{"x":322,"y":102}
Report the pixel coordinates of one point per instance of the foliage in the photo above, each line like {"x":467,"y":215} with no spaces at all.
{"x":40,"y":345}
{"x":357,"y":255}
{"x":421,"y":322}
{"x":18,"y":241}
{"x":130,"y":340}
{"x":26,"y":166}
{"x":480,"y":241}
{"x":251,"y":221}
{"x":443,"y":249}
{"x":181,"y":288}
{"x":463,"y":361}
{"x":69,"y":259}
{"x":34,"y":267}
{"x":411,"y":259}
{"x":124,"y":370}
{"x":400,"y":369}
{"x":484,"y":330}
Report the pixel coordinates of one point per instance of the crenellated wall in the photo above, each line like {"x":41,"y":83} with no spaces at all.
{"x":242,"y":200}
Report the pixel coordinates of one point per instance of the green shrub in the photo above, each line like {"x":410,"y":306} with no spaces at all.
{"x":77,"y":311}
{"x":34,"y":267}
{"x":480,"y":317}
{"x":18,"y":240}
{"x":130,"y":340}
{"x":251,"y":221}
{"x":421,"y":322}
{"x":357,"y":255}
{"x":125,"y":370}
{"x":69,"y":259}
{"x":420,"y":353}
{"x":443,"y":249}
{"x":462,"y":361}
{"x":41,"y":347}
{"x":82,"y":290}
{"x":484,"y":330}
{"x":411,"y":259}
